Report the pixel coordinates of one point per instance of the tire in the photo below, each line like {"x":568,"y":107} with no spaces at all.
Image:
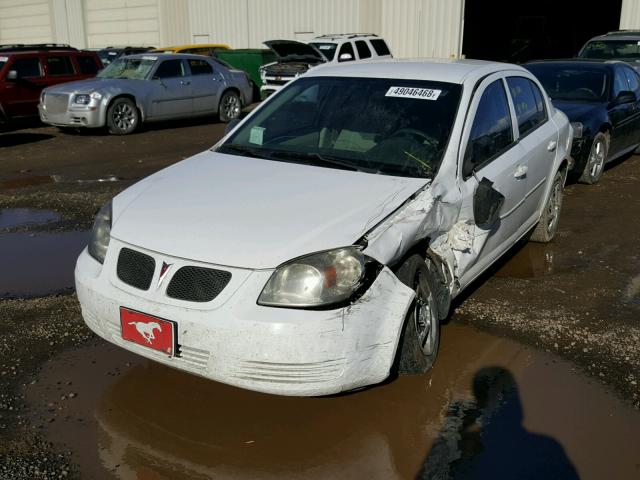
{"x":230,"y":106}
{"x":550,"y":218}
{"x":597,"y":158}
{"x":123,"y":116}
{"x":417,"y":352}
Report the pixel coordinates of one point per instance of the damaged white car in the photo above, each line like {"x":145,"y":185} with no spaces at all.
{"x":317,"y":247}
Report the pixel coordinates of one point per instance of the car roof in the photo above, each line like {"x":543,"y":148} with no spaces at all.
{"x":618,"y":35}
{"x":445,"y":70}
{"x":195,"y":45}
{"x":578,"y":61}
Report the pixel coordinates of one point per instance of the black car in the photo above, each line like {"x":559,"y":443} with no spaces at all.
{"x":602,"y":100}
{"x":109,"y":54}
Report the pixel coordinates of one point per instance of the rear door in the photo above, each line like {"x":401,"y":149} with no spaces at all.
{"x":490,"y":151}
{"x":206,"y":85}
{"x":59,"y":68}
{"x":21,"y":96}
{"x":172,"y":93}
{"x":634,"y":85}
{"x":537,"y":144}
{"x":622,"y":115}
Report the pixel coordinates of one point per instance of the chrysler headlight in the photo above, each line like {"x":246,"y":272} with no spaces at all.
{"x":82,"y":99}
{"x":100,"y":234}
{"x":96,"y":95}
{"x":317,"y":280}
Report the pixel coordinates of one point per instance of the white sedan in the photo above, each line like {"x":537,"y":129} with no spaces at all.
{"x":316,"y":248}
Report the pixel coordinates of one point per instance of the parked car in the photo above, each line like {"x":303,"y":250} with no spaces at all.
{"x":208,"y":49}
{"x":295,"y":58}
{"x":146,"y":88}
{"x":619,"y":45}
{"x":324,"y":237}
{"x":109,"y":54}
{"x":602,"y":100}
{"x":26,"y":69}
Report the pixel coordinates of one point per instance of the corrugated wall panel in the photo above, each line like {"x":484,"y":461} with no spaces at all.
{"x":219,"y":21}
{"x":174,"y":22}
{"x":630,"y":14}
{"x":423,"y":28}
{"x":25,"y":21}
{"x":122,"y":22}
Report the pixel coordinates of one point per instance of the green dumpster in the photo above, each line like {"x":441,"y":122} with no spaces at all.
{"x":248,"y":59}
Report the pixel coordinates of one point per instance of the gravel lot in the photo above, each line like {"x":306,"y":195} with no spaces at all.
{"x":577,"y":299}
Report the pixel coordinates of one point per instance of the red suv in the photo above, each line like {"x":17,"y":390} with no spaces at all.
{"x":26,"y":69}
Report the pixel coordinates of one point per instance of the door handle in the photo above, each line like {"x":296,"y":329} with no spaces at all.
{"x":183,"y":82}
{"x":552,"y":145}
{"x":521,"y":172}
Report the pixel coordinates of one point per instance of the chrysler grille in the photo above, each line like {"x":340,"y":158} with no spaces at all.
{"x":56,"y":103}
{"x":135,"y":268}
{"x":197,"y":284}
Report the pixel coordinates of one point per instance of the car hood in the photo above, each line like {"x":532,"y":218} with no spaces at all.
{"x":91,"y":84}
{"x":253,"y":213}
{"x":578,"y":111}
{"x":290,"y":49}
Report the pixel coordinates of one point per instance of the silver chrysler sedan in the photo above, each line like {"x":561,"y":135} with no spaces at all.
{"x":144,"y":88}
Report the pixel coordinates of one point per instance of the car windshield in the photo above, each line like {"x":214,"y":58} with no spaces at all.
{"x":136,"y":68}
{"x":572,"y":83}
{"x":327,"y":49}
{"x":375,"y":125}
{"x":620,"y":49}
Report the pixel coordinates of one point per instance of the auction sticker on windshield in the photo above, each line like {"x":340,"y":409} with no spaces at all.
{"x":410,"y":92}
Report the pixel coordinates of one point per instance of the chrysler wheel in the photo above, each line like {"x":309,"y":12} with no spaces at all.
{"x":550,"y":218}
{"x":122,"y":117}
{"x":595,"y":162}
{"x":420,"y":337}
{"x":230,"y":106}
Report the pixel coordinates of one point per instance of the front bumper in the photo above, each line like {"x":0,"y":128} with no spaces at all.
{"x":74,"y":116}
{"x":234,"y":340}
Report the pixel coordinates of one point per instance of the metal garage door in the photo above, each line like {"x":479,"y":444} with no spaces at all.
{"x":121,"y":22}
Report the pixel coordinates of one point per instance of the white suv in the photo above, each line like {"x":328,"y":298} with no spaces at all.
{"x":295,"y":58}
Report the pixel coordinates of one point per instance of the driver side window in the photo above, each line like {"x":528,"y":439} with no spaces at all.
{"x":170,"y":69}
{"x":492,"y":130}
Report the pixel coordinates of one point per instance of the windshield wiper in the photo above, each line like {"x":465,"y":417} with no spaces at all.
{"x":235,"y":148}
{"x":321,"y":159}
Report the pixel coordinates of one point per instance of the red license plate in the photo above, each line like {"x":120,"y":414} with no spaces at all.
{"x":148,"y":331}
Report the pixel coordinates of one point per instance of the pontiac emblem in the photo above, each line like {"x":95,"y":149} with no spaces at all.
{"x":163,"y":272}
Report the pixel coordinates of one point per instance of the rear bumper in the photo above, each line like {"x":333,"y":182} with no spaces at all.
{"x":236,"y":341}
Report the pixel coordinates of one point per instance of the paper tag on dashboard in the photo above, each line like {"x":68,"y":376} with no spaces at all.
{"x":257,"y":135}
{"x":4,"y":59}
{"x":411,"y":92}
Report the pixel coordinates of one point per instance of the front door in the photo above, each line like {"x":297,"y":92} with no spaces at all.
{"x":22,"y":95}
{"x":490,"y":152}
{"x":172,"y":93}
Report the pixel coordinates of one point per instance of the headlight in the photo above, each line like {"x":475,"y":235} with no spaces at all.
{"x":577,"y":129}
{"x":96,"y":95}
{"x":82,"y":99}
{"x":100,"y":234}
{"x":316,"y":280}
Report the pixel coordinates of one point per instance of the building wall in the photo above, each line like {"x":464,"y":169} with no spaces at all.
{"x":412,"y":27}
{"x":630,"y":15}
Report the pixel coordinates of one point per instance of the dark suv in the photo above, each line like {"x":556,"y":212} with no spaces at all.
{"x":26,"y":69}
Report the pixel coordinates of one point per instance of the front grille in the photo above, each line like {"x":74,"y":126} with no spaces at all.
{"x":196,"y":284}
{"x":135,"y":268}
{"x":56,"y":102}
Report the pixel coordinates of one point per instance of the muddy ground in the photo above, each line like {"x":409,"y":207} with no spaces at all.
{"x":542,"y":354}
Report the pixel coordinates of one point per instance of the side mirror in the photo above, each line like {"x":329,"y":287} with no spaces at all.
{"x":487,"y":203}
{"x":12,"y":75}
{"x":345,"y":57}
{"x":626,"y":96}
{"x":231,"y":125}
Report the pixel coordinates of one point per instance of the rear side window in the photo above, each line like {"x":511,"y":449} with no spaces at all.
{"x":527,"y":101}
{"x":87,"y":65}
{"x":200,"y":67}
{"x":363,"y":49}
{"x":346,"y":48}
{"x":170,"y":69}
{"x":60,"y":65}
{"x":491,"y":132}
{"x":380,"y":47}
{"x":27,"y":67}
{"x":632,"y":78}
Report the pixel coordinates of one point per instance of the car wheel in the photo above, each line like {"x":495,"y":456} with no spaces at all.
{"x":420,"y":338}
{"x":122,"y":116}
{"x":550,"y":218}
{"x":596,"y":160}
{"x":230,"y":106}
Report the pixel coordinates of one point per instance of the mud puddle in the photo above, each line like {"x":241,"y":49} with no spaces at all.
{"x":528,"y":413}
{"x":35,"y":264}
{"x":25,"y":217}
{"x":533,"y":260}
